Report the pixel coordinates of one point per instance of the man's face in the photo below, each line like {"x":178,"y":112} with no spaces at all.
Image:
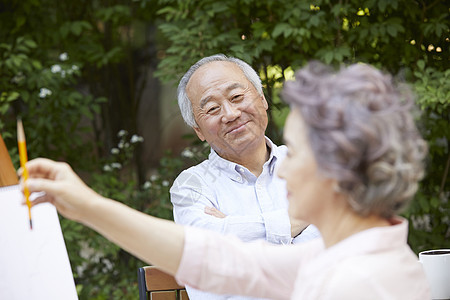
{"x":230,"y":114}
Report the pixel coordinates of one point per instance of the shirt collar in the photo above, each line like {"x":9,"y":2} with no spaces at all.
{"x":274,"y":155}
{"x":236,"y":171}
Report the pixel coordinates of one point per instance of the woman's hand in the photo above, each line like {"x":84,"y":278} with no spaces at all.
{"x":132,"y":230}
{"x":62,"y":187}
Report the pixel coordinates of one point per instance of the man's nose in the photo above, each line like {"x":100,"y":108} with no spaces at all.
{"x":230,"y":112}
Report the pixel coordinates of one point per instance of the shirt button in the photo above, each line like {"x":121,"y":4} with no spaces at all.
{"x":241,"y":170}
{"x":238,"y":178}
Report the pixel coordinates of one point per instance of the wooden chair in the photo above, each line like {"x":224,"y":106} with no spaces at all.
{"x":8,"y":174}
{"x":155,"y":284}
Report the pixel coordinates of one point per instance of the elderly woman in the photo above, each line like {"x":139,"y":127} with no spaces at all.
{"x":354,"y":161}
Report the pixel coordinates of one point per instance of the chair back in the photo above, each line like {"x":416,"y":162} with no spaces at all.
{"x":155,"y":284}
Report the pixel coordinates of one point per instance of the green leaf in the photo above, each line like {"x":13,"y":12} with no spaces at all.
{"x":220,"y":7}
{"x":279,"y":29}
{"x":25,"y":95}
{"x":12,"y":96}
{"x":418,"y":74}
{"x":288,"y":32}
{"x":30,"y":43}
{"x":392,"y":30}
{"x":421,"y":64}
{"x":314,"y":20}
{"x":237,"y":48}
{"x":435,"y":203}
{"x":328,"y":57}
{"x":76,"y":28}
{"x":382,"y":4}
{"x":424,"y":204}
{"x":16,"y":60}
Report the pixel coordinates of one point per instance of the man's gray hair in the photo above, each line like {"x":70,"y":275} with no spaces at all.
{"x":185,"y":103}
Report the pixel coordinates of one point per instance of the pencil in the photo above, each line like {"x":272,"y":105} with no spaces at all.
{"x":23,"y":161}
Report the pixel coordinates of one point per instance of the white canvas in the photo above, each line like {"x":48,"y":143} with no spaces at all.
{"x":33,"y":263}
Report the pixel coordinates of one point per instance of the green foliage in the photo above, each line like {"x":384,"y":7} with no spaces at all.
{"x":409,"y":38}
{"x":89,"y":95}
{"x":40,"y":90}
{"x":287,"y":34}
{"x":429,"y":214}
{"x":102,"y":270}
{"x":61,"y":70}
{"x":75,"y":72}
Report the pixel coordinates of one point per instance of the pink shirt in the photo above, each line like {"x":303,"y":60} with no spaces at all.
{"x":373,"y":264}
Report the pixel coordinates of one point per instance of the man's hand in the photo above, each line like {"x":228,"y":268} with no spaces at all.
{"x":297,"y":226}
{"x":214,"y":212}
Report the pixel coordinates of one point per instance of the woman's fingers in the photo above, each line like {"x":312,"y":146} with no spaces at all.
{"x":42,"y":185}
{"x":44,"y":168}
{"x":63,"y":188}
{"x":42,"y":199}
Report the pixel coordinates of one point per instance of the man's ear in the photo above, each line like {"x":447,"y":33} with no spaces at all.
{"x":199,"y":133}
{"x":264,"y":101}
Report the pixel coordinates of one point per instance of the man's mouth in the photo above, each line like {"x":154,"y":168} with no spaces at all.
{"x":237,"y":128}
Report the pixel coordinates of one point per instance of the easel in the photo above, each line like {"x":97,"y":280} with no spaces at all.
{"x":8,"y":174}
{"x":44,"y":272}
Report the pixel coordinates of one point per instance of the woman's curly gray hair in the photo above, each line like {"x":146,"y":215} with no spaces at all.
{"x":362,"y":134}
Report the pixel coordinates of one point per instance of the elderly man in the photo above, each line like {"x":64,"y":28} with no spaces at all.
{"x":236,"y":190}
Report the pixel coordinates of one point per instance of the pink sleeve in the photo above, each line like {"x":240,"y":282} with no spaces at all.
{"x":224,"y":264}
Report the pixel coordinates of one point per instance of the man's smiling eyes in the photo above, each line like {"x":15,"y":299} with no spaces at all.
{"x":237,"y":97}
{"x":212,"y":109}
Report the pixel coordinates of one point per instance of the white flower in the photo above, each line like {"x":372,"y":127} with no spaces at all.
{"x":187,"y":153}
{"x":122,"y":133}
{"x":63,"y":74}
{"x":63,"y":56}
{"x":165,"y":183}
{"x":136,"y":139}
{"x":147,"y":185}
{"x":56,"y":69}
{"x":116,"y":165}
{"x":75,"y":68}
{"x":154,"y":177}
{"x":107,"y":168}
{"x":18,"y":78}
{"x":120,"y":145}
{"x":44,"y":92}
{"x":115,"y":151}
{"x":126,"y":145}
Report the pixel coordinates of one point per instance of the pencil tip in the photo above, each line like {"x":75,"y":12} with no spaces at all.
{"x":31,"y":224}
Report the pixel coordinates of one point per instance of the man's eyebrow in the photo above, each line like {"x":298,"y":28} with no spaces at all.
{"x":204,"y":101}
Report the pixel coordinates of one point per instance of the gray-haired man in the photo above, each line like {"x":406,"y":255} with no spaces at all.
{"x":236,"y":190}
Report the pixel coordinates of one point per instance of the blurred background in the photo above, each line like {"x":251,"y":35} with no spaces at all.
{"x":95,"y":85}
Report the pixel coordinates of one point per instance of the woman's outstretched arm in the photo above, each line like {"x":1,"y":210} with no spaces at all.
{"x":156,"y":241}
